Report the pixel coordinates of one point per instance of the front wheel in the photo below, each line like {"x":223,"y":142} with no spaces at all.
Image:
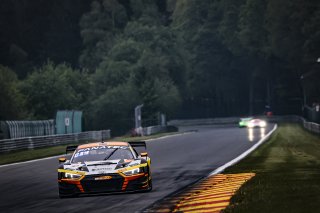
{"x":150,"y":186}
{"x":150,"y":181}
{"x":64,"y":193}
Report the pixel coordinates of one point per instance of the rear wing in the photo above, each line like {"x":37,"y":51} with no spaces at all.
{"x":71,"y":148}
{"x":135,"y":144}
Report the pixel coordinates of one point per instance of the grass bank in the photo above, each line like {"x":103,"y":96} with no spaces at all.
{"x":25,"y":155}
{"x":287,"y":171}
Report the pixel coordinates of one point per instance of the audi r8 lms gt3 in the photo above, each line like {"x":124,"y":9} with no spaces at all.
{"x":256,"y":123}
{"x":104,"y":167}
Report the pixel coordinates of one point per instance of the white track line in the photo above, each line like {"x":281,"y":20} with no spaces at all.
{"x":168,"y":136}
{"x":243,"y":155}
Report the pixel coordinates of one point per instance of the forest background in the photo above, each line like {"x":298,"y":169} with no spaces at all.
{"x":184,"y":58}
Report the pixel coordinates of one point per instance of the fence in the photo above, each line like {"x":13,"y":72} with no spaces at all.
{"x":19,"y":129}
{"x":312,"y":113}
{"x":311,"y":126}
{"x":68,"y":121}
{"x":52,"y":140}
{"x":153,"y":129}
{"x":204,"y":121}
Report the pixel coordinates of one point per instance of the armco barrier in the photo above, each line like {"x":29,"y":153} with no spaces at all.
{"x":204,"y":121}
{"x":313,"y":127}
{"x":153,"y":130}
{"x":51,"y":140}
{"x":19,"y":129}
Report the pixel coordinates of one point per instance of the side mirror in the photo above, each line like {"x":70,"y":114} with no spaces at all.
{"x":144,"y":155}
{"x":62,"y":160}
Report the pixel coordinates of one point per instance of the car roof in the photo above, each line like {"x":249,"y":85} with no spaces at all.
{"x":256,"y":119}
{"x":244,"y":119}
{"x":109,"y":143}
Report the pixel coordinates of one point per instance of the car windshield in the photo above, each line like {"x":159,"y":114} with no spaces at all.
{"x":100,"y":153}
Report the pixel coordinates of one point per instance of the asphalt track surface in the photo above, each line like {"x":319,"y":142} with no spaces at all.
{"x":176,"y":162}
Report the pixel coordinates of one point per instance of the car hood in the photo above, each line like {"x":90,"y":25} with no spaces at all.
{"x":101,"y":167}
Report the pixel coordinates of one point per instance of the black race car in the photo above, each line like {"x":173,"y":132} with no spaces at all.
{"x":104,"y":167}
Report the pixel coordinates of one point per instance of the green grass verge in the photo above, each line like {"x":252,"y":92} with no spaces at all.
{"x":25,"y":155}
{"x":287,"y":177}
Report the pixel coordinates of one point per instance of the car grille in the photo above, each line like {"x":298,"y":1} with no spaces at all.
{"x":136,"y":184}
{"x":90,"y":184}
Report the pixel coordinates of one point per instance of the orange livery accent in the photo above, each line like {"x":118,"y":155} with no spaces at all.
{"x":109,"y":143}
{"x":103,"y":178}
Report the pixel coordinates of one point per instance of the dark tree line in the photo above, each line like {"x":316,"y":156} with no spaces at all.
{"x":186,"y":58}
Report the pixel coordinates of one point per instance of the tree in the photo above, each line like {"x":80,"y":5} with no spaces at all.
{"x":143,"y":56}
{"x":99,"y":28}
{"x":38,"y":30}
{"x":114,"y":109}
{"x":212,"y":77}
{"x":12,"y":102}
{"x":61,"y":41}
{"x":53,"y":87}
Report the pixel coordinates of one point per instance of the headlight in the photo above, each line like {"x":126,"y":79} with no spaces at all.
{"x":263,"y":123}
{"x":250,"y":125}
{"x":133,"y":171}
{"x":67,"y":175}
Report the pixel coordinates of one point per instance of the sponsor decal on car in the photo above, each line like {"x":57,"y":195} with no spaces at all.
{"x":103,"y":178}
{"x":101,"y":147}
{"x":101,"y":169}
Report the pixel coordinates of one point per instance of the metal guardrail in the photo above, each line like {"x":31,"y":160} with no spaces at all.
{"x":19,"y":129}
{"x":8,"y":145}
{"x":311,"y":126}
{"x":204,"y":121}
{"x":312,"y":113}
{"x":150,"y":130}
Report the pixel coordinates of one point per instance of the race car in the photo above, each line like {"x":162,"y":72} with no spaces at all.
{"x":104,"y":167}
{"x":256,"y":123}
{"x":244,"y":122}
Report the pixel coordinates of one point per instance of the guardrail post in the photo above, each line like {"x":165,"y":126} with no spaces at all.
{"x":76,"y":137}
{"x":31,"y":146}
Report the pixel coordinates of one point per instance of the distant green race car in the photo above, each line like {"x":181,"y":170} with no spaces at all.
{"x":244,"y":122}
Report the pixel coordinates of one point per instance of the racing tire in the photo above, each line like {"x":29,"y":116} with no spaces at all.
{"x":150,"y":186}
{"x":63,"y":194}
{"x":150,"y":181}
